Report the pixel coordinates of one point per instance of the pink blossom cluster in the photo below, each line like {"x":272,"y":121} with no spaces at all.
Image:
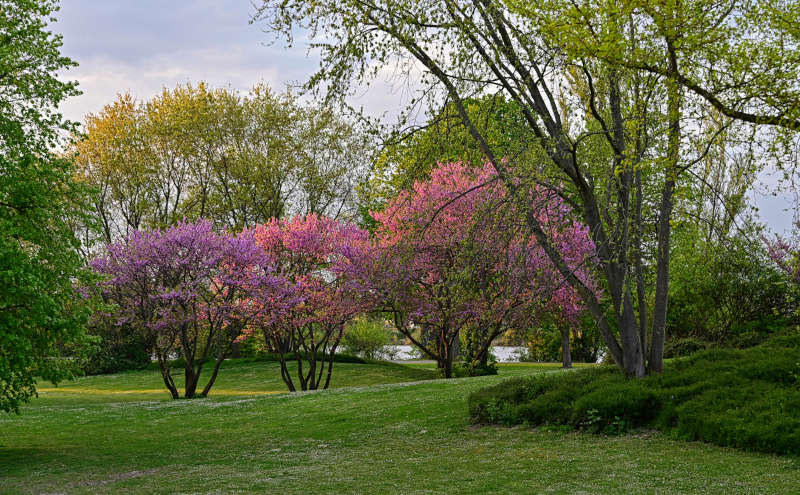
{"x":454,"y":251}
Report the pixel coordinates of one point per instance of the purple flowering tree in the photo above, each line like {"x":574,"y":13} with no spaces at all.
{"x":189,"y":290}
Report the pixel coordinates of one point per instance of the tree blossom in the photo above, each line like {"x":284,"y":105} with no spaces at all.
{"x":450,"y":255}
{"x":190,"y":290}
{"x":319,"y":256}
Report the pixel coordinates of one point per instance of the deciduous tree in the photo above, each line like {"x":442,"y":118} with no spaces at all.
{"x":40,"y":312}
{"x":199,"y":152}
{"x":452,"y":256}
{"x":320,"y":257}
{"x":191,"y":291}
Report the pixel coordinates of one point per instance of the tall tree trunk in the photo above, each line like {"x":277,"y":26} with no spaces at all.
{"x":656,"y":363}
{"x":633,"y":354}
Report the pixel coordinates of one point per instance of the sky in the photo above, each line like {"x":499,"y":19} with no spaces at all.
{"x":142,"y":46}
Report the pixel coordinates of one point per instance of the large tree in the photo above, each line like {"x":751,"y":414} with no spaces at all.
{"x":40,"y":312}
{"x":617,"y":133}
{"x":451,"y":257}
{"x":200,"y":152}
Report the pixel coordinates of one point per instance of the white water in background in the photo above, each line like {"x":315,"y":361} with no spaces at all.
{"x":503,"y":353}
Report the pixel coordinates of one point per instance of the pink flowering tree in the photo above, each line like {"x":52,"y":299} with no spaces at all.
{"x":319,"y":257}
{"x":452,"y":257}
{"x":786,"y":254}
{"x":191,"y":291}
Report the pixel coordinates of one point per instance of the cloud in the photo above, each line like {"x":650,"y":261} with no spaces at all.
{"x":144,"y":46}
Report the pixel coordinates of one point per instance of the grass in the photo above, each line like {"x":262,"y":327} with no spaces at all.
{"x":120,"y":434}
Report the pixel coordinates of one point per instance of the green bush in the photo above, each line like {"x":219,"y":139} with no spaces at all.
{"x":685,"y":346}
{"x":472,"y":369}
{"x":745,"y":398}
{"x":366,"y":337}
{"x":725,"y":293}
{"x":119,"y":349}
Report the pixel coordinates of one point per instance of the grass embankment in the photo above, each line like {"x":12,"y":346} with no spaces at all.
{"x":121,"y":434}
{"x":747,"y":398}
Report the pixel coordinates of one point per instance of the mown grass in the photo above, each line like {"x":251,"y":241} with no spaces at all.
{"x":113,"y":435}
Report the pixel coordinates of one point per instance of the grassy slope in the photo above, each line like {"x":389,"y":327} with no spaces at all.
{"x":92,"y":437}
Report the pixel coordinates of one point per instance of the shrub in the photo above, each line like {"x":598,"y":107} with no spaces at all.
{"x":475,"y":369}
{"x":725,"y":293}
{"x":119,"y":349}
{"x":745,"y":398}
{"x":678,"y":347}
{"x":367,"y":337}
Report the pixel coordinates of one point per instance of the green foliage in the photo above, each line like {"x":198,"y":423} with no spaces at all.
{"x":118,"y":349}
{"x":724,"y":292}
{"x":740,"y":398}
{"x":42,"y":318}
{"x":544,"y":342}
{"x":446,"y":139}
{"x":367,"y":337}
{"x":199,"y":152}
{"x":677,"y":346}
{"x":472,"y":368}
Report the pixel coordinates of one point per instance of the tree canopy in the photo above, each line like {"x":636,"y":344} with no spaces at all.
{"x":41,"y":315}
{"x":198,"y":152}
{"x":452,"y":257}
{"x":615,"y":96}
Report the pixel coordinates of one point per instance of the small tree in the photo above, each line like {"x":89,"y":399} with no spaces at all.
{"x":451,"y":257}
{"x":190,"y":290}
{"x":318,"y":255}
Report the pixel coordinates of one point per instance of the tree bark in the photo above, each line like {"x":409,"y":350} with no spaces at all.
{"x":656,"y":364}
{"x":168,"y":381}
{"x":566,"y":355}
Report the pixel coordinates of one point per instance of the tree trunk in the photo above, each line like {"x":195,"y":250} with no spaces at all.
{"x":566,"y":355}
{"x":633,"y":360}
{"x":168,"y":381}
{"x":213,"y":378}
{"x":448,"y":367}
{"x":236,"y":350}
{"x":656,"y":363}
{"x":191,"y":381}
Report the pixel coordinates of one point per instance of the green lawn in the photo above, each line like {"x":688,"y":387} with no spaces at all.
{"x":121,"y":434}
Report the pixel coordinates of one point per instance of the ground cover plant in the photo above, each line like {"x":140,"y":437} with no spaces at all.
{"x":742,"y":398}
{"x":122,"y":434}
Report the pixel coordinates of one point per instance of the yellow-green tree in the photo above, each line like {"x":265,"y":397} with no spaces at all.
{"x":200,"y":152}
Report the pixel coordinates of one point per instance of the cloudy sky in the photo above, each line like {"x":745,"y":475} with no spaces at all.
{"x":143,"y":45}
